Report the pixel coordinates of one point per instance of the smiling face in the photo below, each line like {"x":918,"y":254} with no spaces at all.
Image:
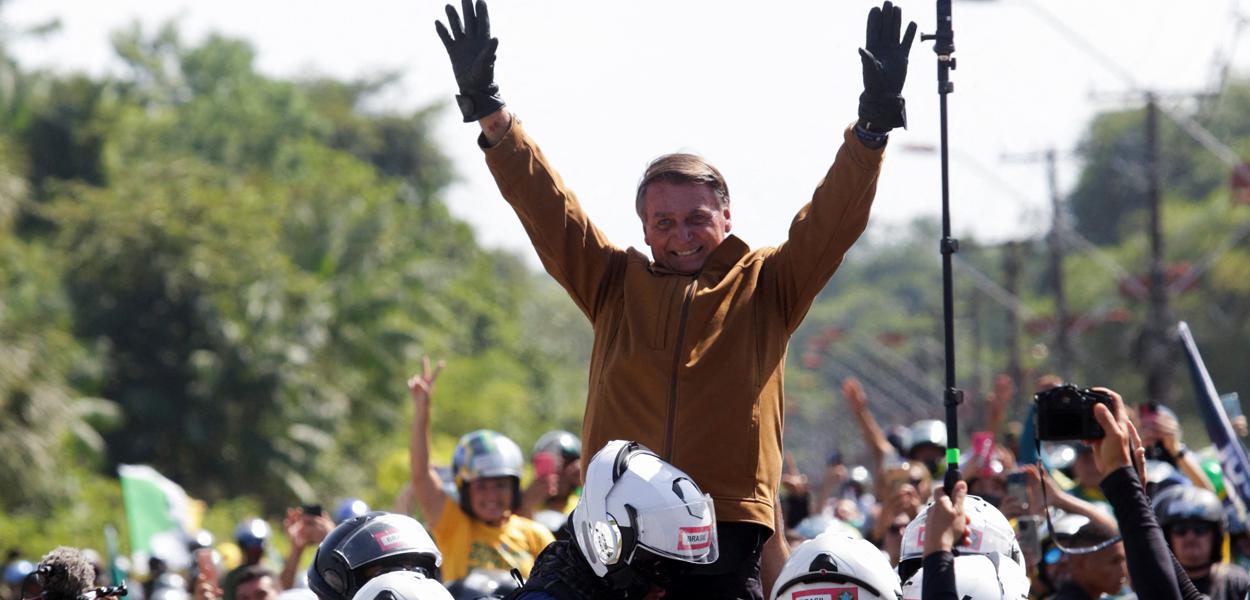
{"x":683,"y":223}
{"x":491,"y":498}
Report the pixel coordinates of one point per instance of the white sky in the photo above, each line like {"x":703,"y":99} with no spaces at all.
{"x":762,"y":89}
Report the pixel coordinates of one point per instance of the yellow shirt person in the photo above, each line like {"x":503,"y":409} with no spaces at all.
{"x":482,"y":529}
{"x":468,"y":543}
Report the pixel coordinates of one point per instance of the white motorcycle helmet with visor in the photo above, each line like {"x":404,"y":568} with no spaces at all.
{"x":979,"y":577}
{"x":989,"y":532}
{"x":833,"y":566}
{"x":640,"y":517}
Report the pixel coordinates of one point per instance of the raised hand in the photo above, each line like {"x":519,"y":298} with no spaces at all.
{"x":945,"y":523}
{"x":472,"y":53}
{"x":421,"y":386}
{"x":1114,"y":450}
{"x":884,"y":57}
{"x":854,"y":394}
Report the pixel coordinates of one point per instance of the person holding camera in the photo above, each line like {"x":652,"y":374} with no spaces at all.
{"x":690,"y":343}
{"x":1155,"y":573}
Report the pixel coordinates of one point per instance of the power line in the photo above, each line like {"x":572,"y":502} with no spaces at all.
{"x":1188,"y":125}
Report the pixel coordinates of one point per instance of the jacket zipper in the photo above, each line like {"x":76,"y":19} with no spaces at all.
{"x":672,"y":388}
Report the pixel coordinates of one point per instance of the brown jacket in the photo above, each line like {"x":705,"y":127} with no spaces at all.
{"x":691,"y":366}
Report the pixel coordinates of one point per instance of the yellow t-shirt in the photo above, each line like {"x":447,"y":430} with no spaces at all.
{"x":468,"y":543}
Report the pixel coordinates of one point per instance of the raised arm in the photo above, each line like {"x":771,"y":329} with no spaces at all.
{"x":878,"y":445}
{"x":570,"y":247}
{"x":998,"y":403}
{"x":1151,"y":567}
{"x":427,"y":486}
{"x":1163,"y":429}
{"x":826,"y":227}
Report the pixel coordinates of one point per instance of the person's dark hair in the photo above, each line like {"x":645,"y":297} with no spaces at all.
{"x":252,"y":573}
{"x":682,"y":168}
{"x":65,"y":573}
{"x":1090,"y":534}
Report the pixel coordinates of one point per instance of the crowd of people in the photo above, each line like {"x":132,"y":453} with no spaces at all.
{"x":1118,"y":518}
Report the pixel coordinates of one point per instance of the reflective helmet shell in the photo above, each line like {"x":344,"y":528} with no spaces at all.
{"x":372,"y":539}
{"x":17,"y":571}
{"x":634,"y":504}
{"x":989,"y":533}
{"x":979,"y":577}
{"x":1185,"y":503}
{"x":402,"y":585}
{"x":349,"y":508}
{"x":251,"y":533}
{"x":560,"y":443}
{"x":482,"y":583}
{"x":1211,"y":466}
{"x":485,"y":453}
{"x":928,"y":431}
{"x":1189,"y":503}
{"x":831,"y":564}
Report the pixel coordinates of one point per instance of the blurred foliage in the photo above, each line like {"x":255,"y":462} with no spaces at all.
{"x":247,"y":269}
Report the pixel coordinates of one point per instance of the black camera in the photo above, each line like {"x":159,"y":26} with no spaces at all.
{"x":1066,"y":412}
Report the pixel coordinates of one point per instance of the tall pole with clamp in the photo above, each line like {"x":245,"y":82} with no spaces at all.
{"x":944,"y":46}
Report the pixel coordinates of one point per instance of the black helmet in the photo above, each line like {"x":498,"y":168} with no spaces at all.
{"x":482,"y":583}
{"x":1188,"y":503}
{"x":377,"y":539}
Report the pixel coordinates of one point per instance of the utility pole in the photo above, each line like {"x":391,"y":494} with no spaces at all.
{"x":1063,"y":343}
{"x":1054,"y":241}
{"x":1158,"y":367}
{"x":1011,"y":271}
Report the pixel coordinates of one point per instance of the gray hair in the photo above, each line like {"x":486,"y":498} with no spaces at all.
{"x":682,"y":167}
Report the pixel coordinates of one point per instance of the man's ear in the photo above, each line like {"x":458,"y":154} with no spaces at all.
{"x":728,"y":221}
{"x":646,"y":237}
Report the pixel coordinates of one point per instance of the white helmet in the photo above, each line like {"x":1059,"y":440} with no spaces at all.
{"x":989,"y":533}
{"x":979,"y":577}
{"x":828,"y":565}
{"x":402,"y":585}
{"x":641,"y":518}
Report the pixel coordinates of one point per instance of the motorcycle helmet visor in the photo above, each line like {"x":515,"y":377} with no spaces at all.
{"x":685,"y":532}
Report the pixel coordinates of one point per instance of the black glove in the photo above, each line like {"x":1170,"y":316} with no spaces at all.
{"x":881,"y":106}
{"x":472,"y":53}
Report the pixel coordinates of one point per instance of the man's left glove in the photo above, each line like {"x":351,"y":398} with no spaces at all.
{"x":881,"y":106}
{"x":472,"y":53}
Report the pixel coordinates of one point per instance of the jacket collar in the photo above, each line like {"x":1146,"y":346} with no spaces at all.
{"x":718,"y":263}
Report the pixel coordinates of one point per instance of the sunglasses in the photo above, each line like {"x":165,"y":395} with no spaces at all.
{"x":1195,"y":527}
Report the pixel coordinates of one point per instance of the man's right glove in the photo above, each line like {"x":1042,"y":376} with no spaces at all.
{"x":472,"y":53}
{"x":881,"y":106}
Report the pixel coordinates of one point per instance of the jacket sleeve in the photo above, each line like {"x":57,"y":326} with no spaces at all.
{"x":826,"y":227}
{"x":1151,"y":567}
{"x":575,"y":252}
{"x":939,"y":577}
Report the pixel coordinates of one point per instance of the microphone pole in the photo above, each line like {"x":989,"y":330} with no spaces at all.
{"x":944,"y":46}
